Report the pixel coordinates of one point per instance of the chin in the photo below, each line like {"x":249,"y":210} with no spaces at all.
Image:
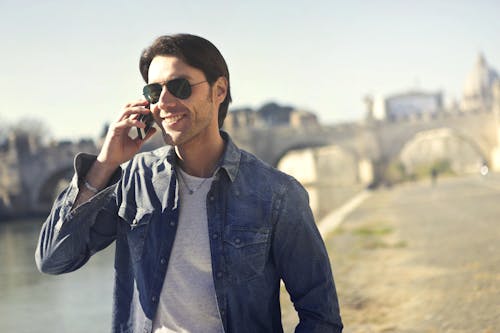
{"x":174,"y":139}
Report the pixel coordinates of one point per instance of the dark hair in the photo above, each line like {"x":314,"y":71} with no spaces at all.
{"x":195,"y":51}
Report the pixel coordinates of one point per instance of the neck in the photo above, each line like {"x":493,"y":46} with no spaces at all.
{"x":199,"y":156}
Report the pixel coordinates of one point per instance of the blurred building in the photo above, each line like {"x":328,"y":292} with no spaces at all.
{"x":477,"y":96}
{"x":413,"y":103}
{"x":478,"y":88}
{"x":269,"y":115}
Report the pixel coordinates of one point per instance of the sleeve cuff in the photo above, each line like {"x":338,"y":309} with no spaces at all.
{"x":84,"y":161}
{"x":82,"y":164}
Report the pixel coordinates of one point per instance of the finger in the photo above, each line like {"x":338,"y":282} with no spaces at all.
{"x":128,"y":123}
{"x":134,"y":116}
{"x":133,"y":110}
{"x":139,"y":105}
{"x":141,"y":101}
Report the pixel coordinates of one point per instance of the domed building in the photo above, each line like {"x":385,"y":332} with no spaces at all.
{"x":478,"y":92}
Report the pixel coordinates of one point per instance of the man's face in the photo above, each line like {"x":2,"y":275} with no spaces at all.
{"x":183,"y":120}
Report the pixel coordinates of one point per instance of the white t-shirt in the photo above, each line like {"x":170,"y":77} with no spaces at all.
{"x":187,"y":301}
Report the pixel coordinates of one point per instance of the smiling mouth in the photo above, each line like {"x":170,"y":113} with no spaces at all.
{"x":173,"y":119}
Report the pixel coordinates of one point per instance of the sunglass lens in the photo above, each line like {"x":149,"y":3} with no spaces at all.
{"x":152,"y":92}
{"x":180,"y":88}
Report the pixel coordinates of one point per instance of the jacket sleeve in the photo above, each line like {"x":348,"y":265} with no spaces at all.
{"x":304,"y":265}
{"x":70,"y":237}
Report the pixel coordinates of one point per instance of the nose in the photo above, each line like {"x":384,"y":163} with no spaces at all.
{"x":166,"y":100}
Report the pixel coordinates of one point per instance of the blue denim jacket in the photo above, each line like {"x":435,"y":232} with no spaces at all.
{"x":261,"y":231}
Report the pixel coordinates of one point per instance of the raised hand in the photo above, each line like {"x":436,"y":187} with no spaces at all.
{"x":118,"y":146}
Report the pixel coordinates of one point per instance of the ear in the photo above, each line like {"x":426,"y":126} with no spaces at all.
{"x":220,"y":90}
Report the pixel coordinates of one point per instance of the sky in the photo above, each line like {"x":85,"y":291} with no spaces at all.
{"x":73,"y":65}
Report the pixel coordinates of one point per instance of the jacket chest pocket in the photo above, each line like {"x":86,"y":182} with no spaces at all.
{"x":246,"y":251}
{"x":137,"y":220}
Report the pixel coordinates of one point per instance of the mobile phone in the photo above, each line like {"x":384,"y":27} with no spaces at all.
{"x":149,"y":121}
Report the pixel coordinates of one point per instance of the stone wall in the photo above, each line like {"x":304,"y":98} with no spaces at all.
{"x":29,"y":169}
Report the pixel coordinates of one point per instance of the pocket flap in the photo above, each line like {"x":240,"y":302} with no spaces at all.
{"x":240,"y":236}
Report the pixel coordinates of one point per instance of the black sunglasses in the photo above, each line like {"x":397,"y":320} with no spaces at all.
{"x":180,"y":88}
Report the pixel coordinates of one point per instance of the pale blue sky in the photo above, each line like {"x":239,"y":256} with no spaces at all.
{"x":74,"y":64}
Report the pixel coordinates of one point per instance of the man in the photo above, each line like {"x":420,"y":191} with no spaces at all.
{"x":204,"y":231}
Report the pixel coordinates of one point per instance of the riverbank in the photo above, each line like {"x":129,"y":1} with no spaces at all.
{"x":421,"y":258}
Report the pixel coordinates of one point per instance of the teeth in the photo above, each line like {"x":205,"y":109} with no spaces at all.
{"x":173,"y":119}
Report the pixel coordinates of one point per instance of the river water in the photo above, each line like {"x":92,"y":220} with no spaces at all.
{"x":34,"y":302}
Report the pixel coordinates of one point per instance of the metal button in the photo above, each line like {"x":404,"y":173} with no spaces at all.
{"x":163,"y":261}
{"x":237,"y":241}
{"x":215,"y":236}
{"x":172,"y":223}
{"x":219,"y":274}
{"x":212,"y":198}
{"x":154,"y":299}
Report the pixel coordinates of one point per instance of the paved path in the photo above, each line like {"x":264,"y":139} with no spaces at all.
{"x":421,"y":258}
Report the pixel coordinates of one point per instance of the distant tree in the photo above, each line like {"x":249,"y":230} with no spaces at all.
{"x":4,"y":135}
{"x":104,"y":131}
{"x":34,"y":128}
{"x":3,"y":130}
{"x":275,"y":114}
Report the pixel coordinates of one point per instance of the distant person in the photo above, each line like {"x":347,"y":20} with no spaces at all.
{"x":434,"y":175}
{"x":483,"y":170}
{"x":204,"y":231}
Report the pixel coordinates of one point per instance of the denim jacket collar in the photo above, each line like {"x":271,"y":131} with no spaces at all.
{"x":230,"y":160}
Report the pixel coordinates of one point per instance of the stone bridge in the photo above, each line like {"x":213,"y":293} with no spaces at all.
{"x":31,"y":175}
{"x":378,"y":142}
{"x":381,"y":143}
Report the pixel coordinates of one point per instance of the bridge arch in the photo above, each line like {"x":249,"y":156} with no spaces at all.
{"x":427,"y":148}
{"x":331,"y":174}
{"x":295,"y":147}
{"x":328,"y":165}
{"x":53,"y":185}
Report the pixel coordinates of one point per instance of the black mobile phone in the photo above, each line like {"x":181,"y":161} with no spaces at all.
{"x":149,"y":121}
